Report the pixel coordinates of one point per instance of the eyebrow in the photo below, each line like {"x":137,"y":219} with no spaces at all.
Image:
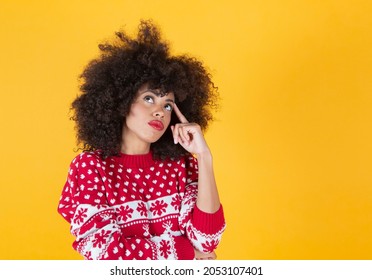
{"x":156,"y":94}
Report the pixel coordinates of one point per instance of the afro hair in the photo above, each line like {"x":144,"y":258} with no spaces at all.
{"x":110,"y":82}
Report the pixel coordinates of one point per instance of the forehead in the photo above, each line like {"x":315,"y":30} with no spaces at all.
{"x":145,"y":89}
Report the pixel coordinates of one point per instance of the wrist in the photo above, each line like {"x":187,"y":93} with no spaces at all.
{"x":207,"y":155}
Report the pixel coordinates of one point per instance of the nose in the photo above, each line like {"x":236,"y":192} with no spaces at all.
{"x":158,"y":113}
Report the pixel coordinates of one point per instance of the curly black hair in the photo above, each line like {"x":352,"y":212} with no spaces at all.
{"x":110,"y":83}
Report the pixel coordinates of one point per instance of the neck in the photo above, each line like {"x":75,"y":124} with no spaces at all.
{"x":139,"y":149}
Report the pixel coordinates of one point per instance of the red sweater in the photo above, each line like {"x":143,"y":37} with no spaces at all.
{"x":135,"y":207}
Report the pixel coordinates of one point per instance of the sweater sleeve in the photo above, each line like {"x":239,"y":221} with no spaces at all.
{"x":204,"y":230}
{"x":94,"y":223}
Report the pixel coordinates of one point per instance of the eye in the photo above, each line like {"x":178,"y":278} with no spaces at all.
{"x":148,"y":99}
{"x":168,"y":107}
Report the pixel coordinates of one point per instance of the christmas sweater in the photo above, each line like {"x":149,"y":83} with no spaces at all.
{"x":136,"y":207}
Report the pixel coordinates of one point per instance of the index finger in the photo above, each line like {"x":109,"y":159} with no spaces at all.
{"x":180,"y":116}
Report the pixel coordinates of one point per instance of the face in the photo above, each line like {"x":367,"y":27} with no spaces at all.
{"x":148,"y":118}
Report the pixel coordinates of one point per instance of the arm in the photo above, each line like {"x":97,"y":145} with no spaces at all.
{"x":190,"y":137}
{"x":203,"y":229}
{"x":208,"y":199}
{"x":201,"y":211}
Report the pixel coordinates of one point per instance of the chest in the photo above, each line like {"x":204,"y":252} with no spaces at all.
{"x":140,"y":184}
{"x":147,"y":201}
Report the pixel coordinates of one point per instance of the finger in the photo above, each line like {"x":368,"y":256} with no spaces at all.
{"x":180,"y":116}
{"x":175,"y":134}
{"x":172,"y":129}
{"x":184,"y":133}
{"x":180,"y":135}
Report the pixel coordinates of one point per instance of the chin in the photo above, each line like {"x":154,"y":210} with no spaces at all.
{"x":152,"y":140}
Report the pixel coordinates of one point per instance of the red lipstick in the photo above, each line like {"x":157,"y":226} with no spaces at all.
{"x":158,"y":125}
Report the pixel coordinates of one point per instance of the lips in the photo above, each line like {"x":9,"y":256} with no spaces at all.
{"x":158,"y":125}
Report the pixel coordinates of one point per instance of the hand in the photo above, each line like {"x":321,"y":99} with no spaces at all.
{"x":188,"y":135}
{"x":204,"y":256}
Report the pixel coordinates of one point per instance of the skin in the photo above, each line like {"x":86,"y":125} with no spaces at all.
{"x":138,"y":135}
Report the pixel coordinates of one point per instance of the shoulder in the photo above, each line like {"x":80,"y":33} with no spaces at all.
{"x":87,"y":159}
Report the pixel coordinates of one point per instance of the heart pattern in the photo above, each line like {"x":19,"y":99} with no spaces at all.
{"x":110,"y":201}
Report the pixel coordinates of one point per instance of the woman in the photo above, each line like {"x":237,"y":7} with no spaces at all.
{"x":143,"y":187}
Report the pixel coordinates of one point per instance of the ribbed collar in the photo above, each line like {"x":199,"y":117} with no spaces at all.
{"x":136,"y":161}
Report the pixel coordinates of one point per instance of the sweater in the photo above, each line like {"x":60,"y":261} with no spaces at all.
{"x":135,"y":207}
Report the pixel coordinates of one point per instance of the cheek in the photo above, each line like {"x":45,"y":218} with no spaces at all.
{"x":168,"y":119}
{"x":136,"y":111}
{"x":133,"y":119}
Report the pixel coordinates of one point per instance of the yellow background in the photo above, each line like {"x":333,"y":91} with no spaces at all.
{"x":292,"y":142}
